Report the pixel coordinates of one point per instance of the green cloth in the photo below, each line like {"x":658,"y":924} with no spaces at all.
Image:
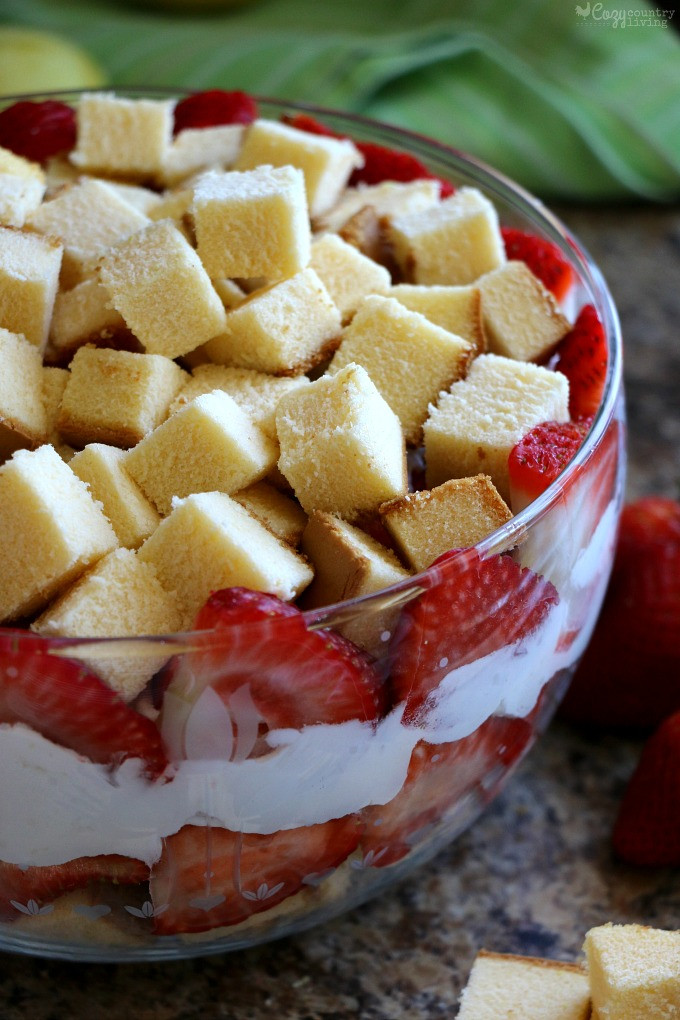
{"x":572,"y":105}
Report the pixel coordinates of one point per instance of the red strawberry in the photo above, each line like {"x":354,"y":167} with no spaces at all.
{"x":38,"y":130}
{"x":380,"y":162}
{"x":438,"y":776}
{"x":647,"y":830}
{"x":472,"y":607}
{"x":68,"y":704}
{"x":582,"y":357}
{"x":629,"y":674}
{"x":214,"y":107}
{"x":293,"y":676}
{"x":208,"y":877}
{"x":540,"y":456}
{"x":20,"y":886}
{"x":544,"y":259}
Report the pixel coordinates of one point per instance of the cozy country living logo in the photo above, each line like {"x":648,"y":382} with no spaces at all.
{"x":622,"y":17}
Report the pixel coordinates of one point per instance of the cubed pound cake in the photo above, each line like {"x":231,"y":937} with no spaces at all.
{"x":82,"y":315}
{"x":389,"y":198}
{"x":252,"y":224}
{"x":454,"y":242}
{"x":475,"y":425}
{"x":521,"y":317}
{"x":208,"y":542}
{"x":342,"y":447}
{"x":326,"y":162}
{"x":454,"y":515}
{"x":29,"y":277}
{"x":278,"y":512}
{"x":209,"y":444}
{"x":116,"y":397}
{"x":23,"y":422}
{"x":347,"y":275}
{"x":634,"y":972}
{"x":409,"y":359}
{"x":195,"y":149}
{"x":131,"y":514}
{"x":22,"y":186}
{"x":52,"y":531}
{"x":456,"y":309}
{"x":284,"y":329}
{"x":158,"y":284}
{"x":123,"y":137}
{"x":54,"y":382}
{"x":88,"y":217}
{"x":120,"y":597}
{"x":504,"y":987}
{"x":256,"y":393}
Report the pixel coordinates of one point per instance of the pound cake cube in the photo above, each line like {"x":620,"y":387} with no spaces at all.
{"x":347,"y":562}
{"x":504,"y":987}
{"x":634,"y":972}
{"x":256,"y":393}
{"x":52,"y":530}
{"x":285,"y":328}
{"x":347,"y":275}
{"x":22,"y":186}
{"x":23,"y":422}
{"x":122,"y":137}
{"x":475,"y":425}
{"x":29,"y":277}
{"x":454,"y":242}
{"x":87,"y":217}
{"x":389,"y":198}
{"x":120,"y":597}
{"x":521,"y":317}
{"x":54,"y":382}
{"x":408,"y":358}
{"x":455,"y":515}
{"x":456,"y":309}
{"x":82,"y":315}
{"x":252,"y":224}
{"x":210,"y":444}
{"x":342,"y":448}
{"x":210,"y":541}
{"x":132,"y":516}
{"x":159,"y":286}
{"x":117,"y":397}
{"x":327,"y":163}
{"x":278,"y":512}
{"x":196,"y":149}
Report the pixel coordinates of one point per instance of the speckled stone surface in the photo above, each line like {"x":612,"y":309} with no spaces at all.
{"x":533,"y":873}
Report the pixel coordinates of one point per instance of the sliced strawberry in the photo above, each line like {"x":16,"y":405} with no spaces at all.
{"x":544,"y":259}
{"x":439,"y":775}
{"x":68,"y":704}
{"x":208,"y":877}
{"x":380,"y":162}
{"x":214,"y":107}
{"x":629,"y":674}
{"x":42,"y":884}
{"x":540,"y":456}
{"x":38,"y":130}
{"x":647,"y":830}
{"x":293,"y":676}
{"x":472,"y":607}
{"x":582,"y":357}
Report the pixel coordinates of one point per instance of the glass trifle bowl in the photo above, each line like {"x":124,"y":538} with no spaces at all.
{"x":282,"y":764}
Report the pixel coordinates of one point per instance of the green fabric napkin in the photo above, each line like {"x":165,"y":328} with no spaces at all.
{"x":574,"y":101}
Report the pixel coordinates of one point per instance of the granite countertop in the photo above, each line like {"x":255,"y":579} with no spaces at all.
{"x":533,"y":873}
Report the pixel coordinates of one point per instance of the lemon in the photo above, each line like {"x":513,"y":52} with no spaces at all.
{"x":32,"y":61}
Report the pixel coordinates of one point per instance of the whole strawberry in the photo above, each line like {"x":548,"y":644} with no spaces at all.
{"x":630,"y":673}
{"x":647,"y":830}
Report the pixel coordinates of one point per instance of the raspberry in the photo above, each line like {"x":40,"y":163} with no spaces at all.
{"x":38,"y":130}
{"x":214,"y":107}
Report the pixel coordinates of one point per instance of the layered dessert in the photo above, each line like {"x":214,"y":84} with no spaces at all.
{"x":274,"y":623}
